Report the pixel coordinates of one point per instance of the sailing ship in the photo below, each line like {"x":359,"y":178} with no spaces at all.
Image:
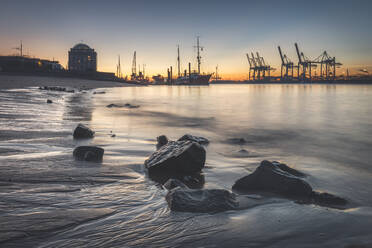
{"x":192,"y":77}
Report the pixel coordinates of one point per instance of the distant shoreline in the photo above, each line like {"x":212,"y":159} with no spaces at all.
{"x":12,"y":81}
{"x":345,"y":82}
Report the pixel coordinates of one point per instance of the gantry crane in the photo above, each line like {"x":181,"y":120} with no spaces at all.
{"x":287,"y":64}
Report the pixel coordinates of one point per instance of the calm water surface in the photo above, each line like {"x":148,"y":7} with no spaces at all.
{"x":322,"y":130}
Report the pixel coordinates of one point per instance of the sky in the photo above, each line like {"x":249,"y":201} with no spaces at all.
{"x":154,"y":28}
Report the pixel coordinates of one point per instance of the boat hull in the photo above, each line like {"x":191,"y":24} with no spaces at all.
{"x":194,"y":80}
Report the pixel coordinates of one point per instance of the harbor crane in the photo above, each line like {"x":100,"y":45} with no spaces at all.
{"x":304,"y":65}
{"x":258,"y":66}
{"x":328,"y":66}
{"x":287,"y":64}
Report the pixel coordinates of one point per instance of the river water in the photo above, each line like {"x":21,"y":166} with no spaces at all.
{"x":47,"y":199}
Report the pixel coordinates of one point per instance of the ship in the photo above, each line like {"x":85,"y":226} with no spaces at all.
{"x":192,"y":77}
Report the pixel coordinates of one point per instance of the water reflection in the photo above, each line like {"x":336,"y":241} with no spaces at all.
{"x":78,"y":107}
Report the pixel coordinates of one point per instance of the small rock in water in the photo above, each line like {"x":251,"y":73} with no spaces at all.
{"x":269,"y":177}
{"x":200,"y":200}
{"x":113,"y":135}
{"x":162,"y":140}
{"x":49,"y":101}
{"x":198,"y":139}
{"x":89,"y":153}
{"x":177,"y":156}
{"x":128,"y":105}
{"x":52,"y":88}
{"x":82,"y":132}
{"x":99,"y":92}
{"x":112,"y":106}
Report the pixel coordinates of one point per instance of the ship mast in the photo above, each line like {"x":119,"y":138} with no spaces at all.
{"x":178,"y":60}
{"x":20,"y":49}
{"x":134,"y":65}
{"x":118,"y":69}
{"x":216,"y":72}
{"x":198,"y":56}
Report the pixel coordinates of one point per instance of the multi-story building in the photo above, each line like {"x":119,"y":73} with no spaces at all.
{"x":82,"y":58}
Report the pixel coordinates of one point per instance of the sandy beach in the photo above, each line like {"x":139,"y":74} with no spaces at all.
{"x":18,"y":82}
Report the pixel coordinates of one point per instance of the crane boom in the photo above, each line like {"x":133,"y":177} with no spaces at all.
{"x":281,"y":55}
{"x":298,"y":53}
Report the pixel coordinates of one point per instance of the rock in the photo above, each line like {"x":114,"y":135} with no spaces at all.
{"x":237,"y":141}
{"x":113,"y":135}
{"x":270,"y":177}
{"x":288,"y":169}
{"x":174,"y":183}
{"x":89,"y":153}
{"x":177,"y":156}
{"x":112,"y":105}
{"x":83,"y":132}
{"x":193,"y":181}
{"x":198,"y":139}
{"x":49,"y":101}
{"x":127,"y":105}
{"x":162,"y":140}
{"x":326,"y":199}
{"x":200,"y":200}
{"x":99,"y":92}
{"x":52,"y":88}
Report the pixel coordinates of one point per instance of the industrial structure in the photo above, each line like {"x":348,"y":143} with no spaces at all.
{"x":307,"y":68}
{"x":257,"y":65}
{"x":140,"y":76}
{"x":322,"y":67}
{"x":21,"y":63}
{"x":82,"y":58}
{"x":287,"y":66}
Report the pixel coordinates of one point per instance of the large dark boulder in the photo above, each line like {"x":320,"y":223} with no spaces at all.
{"x":197,"y":139}
{"x":200,"y":200}
{"x":326,"y":199}
{"x":162,"y":140}
{"x":274,"y":178}
{"x":83,"y":132}
{"x":89,"y":153}
{"x":288,"y":169}
{"x":185,"y":157}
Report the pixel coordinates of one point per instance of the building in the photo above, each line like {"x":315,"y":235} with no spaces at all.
{"x":82,"y":58}
{"x":26,"y":64}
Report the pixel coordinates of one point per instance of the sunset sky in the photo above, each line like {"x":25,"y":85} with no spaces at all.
{"x":228,"y":29}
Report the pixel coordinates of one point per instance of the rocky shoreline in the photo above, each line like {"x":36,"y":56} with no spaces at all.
{"x":180,"y":162}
